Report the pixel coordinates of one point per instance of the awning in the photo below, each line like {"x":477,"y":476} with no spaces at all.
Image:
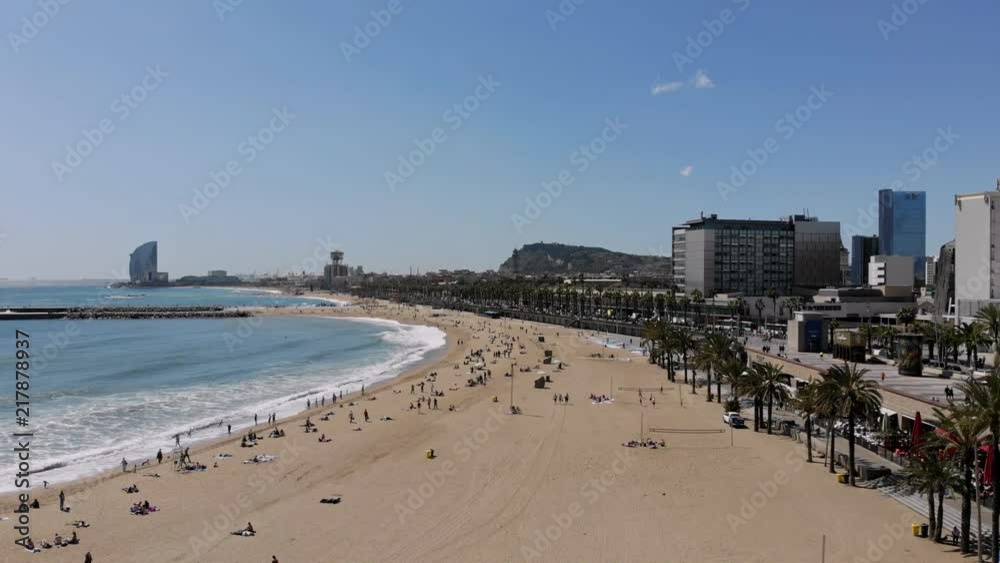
{"x":887,"y":412}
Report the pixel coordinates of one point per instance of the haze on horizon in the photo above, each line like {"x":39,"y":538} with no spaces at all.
{"x":634,"y":116}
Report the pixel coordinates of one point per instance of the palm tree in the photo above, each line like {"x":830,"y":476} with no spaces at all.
{"x":848,"y":394}
{"x":698,"y":298}
{"x":905,"y":317}
{"x":868,"y":331}
{"x":962,"y":432}
{"x":734,"y":374}
{"x":668,"y":347}
{"x":759,"y":305}
{"x":984,"y":400}
{"x":684,"y":302}
{"x":752,"y":385}
{"x":929,"y":474}
{"x":770,"y":380}
{"x":973,"y":335}
{"x":652,"y":333}
{"x":772,"y":294}
{"x":685,"y":343}
{"x":806,"y":403}
{"x":989,"y":317}
{"x":713,"y":351}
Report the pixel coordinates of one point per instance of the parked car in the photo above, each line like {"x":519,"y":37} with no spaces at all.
{"x":733,"y":419}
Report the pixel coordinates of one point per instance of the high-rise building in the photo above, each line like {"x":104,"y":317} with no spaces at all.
{"x":845,"y":266}
{"x":902,"y":226}
{"x":751,"y":257}
{"x":977,"y":237}
{"x":894,"y":271}
{"x":142,"y":265}
{"x":817,"y":252}
{"x":862,"y":250}
{"x":930,"y":270}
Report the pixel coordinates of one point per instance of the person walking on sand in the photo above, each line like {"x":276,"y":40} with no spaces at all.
{"x":124,"y":465}
{"x":62,"y":501}
{"x":255,"y":419}
{"x":229,"y":429}
{"x":159,"y":457}
{"x":366,"y":415}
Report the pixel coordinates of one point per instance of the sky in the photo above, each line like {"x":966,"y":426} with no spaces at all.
{"x":254,"y":136}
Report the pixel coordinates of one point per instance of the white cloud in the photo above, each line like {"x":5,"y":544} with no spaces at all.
{"x":701,"y":80}
{"x":666,"y":87}
{"x":687,"y":170}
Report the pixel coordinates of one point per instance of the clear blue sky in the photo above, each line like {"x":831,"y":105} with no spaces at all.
{"x":323,"y":175}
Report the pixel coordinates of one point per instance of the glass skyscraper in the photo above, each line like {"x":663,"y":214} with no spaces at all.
{"x":862,"y":249}
{"x":902,"y":226}
{"x":142,"y":265}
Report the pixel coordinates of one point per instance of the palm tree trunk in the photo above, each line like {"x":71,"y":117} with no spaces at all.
{"x":708,"y":397}
{"x":756,"y":414}
{"x":832,"y":438}
{"x":850,"y":447}
{"x":718,"y":388}
{"x":966,"y":499}
{"x":809,"y":439}
{"x":995,"y":516}
{"x":694,"y":377}
{"x":770,"y":401}
{"x":686,"y":368}
{"x":933,"y":514}
{"x":940,"y":515}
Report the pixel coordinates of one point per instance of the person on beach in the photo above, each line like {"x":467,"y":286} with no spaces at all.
{"x":159,"y":457}
{"x":229,"y":429}
{"x":366,"y":415}
{"x":88,"y":558}
{"x":62,"y":501}
{"x":124,"y":465}
{"x":255,"y":419}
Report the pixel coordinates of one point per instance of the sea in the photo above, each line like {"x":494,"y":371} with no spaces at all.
{"x":103,"y":390}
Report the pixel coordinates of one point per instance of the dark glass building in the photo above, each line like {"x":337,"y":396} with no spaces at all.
{"x":862,"y":249}
{"x":142,"y":263}
{"x":751,"y":257}
{"x":902,"y":226}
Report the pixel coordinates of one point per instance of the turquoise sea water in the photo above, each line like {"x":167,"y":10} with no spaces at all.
{"x":96,"y":295}
{"x":102,"y":390}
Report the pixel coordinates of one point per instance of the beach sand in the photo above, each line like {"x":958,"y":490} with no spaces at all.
{"x":553,"y":484}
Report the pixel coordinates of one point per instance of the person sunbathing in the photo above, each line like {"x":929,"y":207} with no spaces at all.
{"x":73,"y":540}
{"x":246,"y":532}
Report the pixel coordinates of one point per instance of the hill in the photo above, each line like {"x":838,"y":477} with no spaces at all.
{"x":541,"y":259}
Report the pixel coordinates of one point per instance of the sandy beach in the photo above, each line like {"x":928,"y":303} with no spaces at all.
{"x":553,"y":484}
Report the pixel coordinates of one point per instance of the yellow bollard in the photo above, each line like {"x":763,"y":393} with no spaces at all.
{"x":916,"y":530}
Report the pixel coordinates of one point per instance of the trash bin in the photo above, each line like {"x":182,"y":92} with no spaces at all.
{"x":842,"y":478}
{"x":916,"y":530}
{"x":923,"y":530}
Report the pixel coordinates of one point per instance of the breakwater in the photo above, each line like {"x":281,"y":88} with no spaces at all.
{"x":121,"y":313}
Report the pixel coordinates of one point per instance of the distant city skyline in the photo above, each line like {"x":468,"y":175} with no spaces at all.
{"x":267,"y":128}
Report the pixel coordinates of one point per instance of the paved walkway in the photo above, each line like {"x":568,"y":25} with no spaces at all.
{"x":928,"y":388}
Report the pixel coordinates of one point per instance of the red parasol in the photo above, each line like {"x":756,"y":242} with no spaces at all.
{"x":918,"y":431}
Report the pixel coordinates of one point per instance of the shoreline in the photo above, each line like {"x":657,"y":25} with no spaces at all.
{"x":412,"y":369}
{"x":499,"y":484}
